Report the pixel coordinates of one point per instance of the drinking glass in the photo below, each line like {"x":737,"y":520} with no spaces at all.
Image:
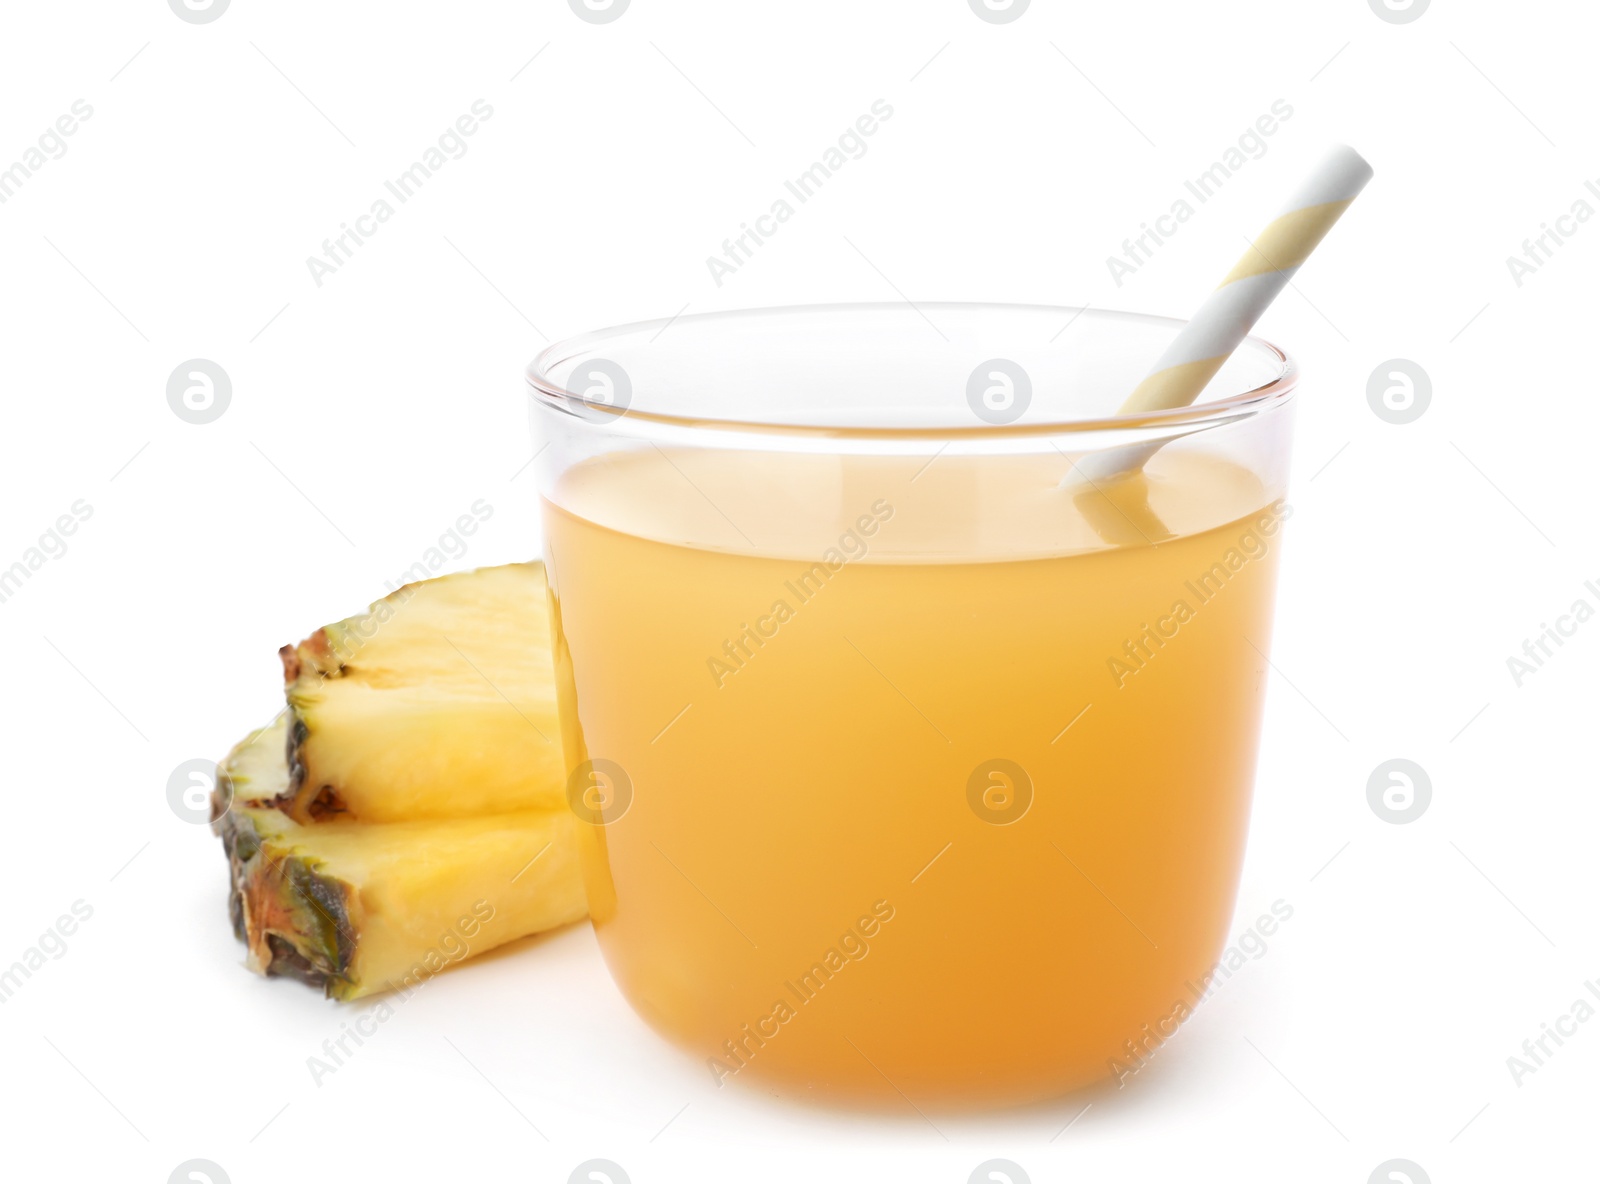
{"x":914,"y":760}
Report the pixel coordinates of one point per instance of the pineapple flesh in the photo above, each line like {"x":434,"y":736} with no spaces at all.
{"x":438,"y":702}
{"x":359,"y":907}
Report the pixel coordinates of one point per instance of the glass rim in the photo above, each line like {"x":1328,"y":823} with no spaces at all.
{"x":557,"y":398}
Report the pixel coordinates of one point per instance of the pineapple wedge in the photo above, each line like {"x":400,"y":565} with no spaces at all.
{"x":438,"y":702}
{"x":358,"y":908}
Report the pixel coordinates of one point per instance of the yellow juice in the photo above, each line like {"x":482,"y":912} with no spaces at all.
{"x":934,"y":778}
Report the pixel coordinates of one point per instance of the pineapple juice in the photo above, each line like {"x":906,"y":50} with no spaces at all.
{"x":924,"y":778}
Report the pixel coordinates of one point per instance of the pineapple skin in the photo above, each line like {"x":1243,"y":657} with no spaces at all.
{"x":438,"y":702}
{"x":359,"y":908}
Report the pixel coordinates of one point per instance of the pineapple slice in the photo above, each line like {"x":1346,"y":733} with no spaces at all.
{"x":358,"y":908}
{"x":439,"y":702}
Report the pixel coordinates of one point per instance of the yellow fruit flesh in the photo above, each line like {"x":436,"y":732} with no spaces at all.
{"x":367,"y":907}
{"x":422,"y":896}
{"x":437,"y":703}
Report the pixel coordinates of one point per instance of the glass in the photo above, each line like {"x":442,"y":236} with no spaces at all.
{"x":911,"y":764}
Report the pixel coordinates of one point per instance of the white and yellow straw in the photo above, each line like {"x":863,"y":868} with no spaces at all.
{"x":1228,"y":314}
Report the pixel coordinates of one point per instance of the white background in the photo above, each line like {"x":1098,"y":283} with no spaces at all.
{"x":369,"y":412}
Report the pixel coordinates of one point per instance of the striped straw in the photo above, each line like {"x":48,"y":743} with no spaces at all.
{"x":1231,"y":311}
{"x":1221,"y":323}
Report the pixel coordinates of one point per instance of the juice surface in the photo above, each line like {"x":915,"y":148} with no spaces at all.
{"x":936,"y":777}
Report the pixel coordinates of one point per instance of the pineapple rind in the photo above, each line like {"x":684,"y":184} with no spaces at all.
{"x":294,"y":920}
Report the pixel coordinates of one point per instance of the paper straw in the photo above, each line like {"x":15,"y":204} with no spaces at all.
{"x":1229,"y":313}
